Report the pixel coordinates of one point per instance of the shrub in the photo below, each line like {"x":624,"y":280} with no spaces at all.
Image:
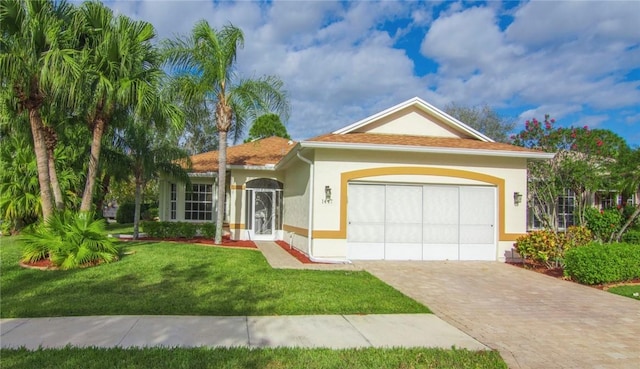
{"x":173,"y":229}
{"x":155,"y":229}
{"x":603,"y":223}
{"x":597,"y":263}
{"x":187,"y":230}
{"x":577,"y":236}
{"x":70,"y":240}
{"x":125,"y":213}
{"x":548,"y":248}
{"x":208,"y":230}
{"x":541,"y":246}
{"x":632,"y":236}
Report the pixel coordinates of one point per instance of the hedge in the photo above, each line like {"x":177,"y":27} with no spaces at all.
{"x":632,"y":236}
{"x":178,"y":229}
{"x":603,"y":263}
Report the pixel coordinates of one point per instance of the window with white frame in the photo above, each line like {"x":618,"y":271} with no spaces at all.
{"x":173,"y":203}
{"x":564,"y":211}
{"x":566,"y":206}
{"x":607,"y":200}
{"x":198,"y":202}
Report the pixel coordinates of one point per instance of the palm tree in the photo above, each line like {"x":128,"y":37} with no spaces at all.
{"x":122,"y":74}
{"x":19,"y":193}
{"x":33,"y":64}
{"x":146,"y":154}
{"x":204,"y":68}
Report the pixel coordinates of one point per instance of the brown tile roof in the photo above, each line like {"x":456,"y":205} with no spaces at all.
{"x":261,"y":152}
{"x":423,"y":141}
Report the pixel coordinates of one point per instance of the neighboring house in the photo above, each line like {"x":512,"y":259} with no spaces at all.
{"x":566,"y":206}
{"x":408,"y":183}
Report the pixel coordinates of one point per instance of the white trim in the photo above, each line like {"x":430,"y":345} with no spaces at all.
{"x":270,"y":167}
{"x":202,"y":174}
{"x":423,"y":105}
{"x":425,"y":149}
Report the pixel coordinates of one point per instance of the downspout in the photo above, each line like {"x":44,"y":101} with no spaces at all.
{"x":310,"y":226}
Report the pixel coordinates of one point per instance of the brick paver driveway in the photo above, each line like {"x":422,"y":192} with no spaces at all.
{"x":534,"y":321}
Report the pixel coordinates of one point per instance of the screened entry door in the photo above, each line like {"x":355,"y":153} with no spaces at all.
{"x":421,"y":222}
{"x":263,"y":214}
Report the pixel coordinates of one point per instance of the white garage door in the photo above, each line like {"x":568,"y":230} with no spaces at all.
{"x":430,"y":222}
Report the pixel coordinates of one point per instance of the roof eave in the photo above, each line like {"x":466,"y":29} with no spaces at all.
{"x":423,"y":149}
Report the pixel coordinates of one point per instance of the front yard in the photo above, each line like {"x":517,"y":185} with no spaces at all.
{"x":181,"y":279}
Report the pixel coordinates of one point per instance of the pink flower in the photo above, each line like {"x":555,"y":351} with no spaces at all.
{"x":586,"y":127}
{"x":599,"y":143}
{"x":553,"y":120}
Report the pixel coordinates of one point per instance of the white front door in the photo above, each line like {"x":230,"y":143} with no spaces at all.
{"x":263,"y":214}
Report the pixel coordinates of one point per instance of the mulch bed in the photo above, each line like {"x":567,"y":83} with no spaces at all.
{"x":559,"y":274}
{"x":295,"y":253}
{"x":226,"y":241}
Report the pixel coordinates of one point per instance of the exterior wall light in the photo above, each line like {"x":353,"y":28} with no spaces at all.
{"x":517,"y":198}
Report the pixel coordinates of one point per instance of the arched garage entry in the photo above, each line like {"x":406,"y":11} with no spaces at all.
{"x":423,"y":221}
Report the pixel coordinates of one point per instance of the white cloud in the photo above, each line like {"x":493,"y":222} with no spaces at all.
{"x":591,"y":121}
{"x":553,"y":22}
{"x":340,"y":62}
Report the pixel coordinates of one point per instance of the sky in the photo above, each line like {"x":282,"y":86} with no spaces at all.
{"x":578,"y":61}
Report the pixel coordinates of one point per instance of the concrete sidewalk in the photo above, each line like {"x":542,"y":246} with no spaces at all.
{"x":331,"y":331}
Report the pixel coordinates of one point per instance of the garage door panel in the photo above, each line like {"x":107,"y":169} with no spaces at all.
{"x":477,"y":205}
{"x":403,"y":233}
{"x":366,"y":216}
{"x":440,"y":205}
{"x":366,"y":251}
{"x":403,"y":251}
{"x":474,"y":233}
{"x":366,"y":232}
{"x":403,"y":204}
{"x":440,"y":233}
{"x":477,"y":252}
{"x":366,"y":204}
{"x":435,"y":251}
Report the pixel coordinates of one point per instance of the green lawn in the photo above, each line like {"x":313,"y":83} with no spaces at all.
{"x":196,"y":358}
{"x":627,"y":291}
{"x":117,"y":228}
{"x":182,"y":279}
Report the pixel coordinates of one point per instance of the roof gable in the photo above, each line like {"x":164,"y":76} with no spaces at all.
{"x":414,"y":117}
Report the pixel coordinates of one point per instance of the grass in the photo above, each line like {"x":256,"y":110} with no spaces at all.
{"x":117,"y":228}
{"x":627,"y":291}
{"x":195,"y":358}
{"x":181,"y":279}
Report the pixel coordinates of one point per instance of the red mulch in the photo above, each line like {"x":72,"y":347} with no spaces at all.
{"x":226,"y":241}
{"x":295,"y":253}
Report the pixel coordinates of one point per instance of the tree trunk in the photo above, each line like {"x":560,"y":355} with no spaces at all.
{"x":92,"y":172}
{"x":40,"y":149}
{"x":106,"y":182}
{"x":628,"y":223}
{"x":51,"y":141}
{"x":222,"y":177}
{"x":138,"y":204}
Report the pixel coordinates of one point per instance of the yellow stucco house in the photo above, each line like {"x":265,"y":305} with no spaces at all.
{"x":408,"y":183}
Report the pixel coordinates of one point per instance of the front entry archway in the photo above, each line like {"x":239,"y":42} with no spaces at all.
{"x":264,"y":209}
